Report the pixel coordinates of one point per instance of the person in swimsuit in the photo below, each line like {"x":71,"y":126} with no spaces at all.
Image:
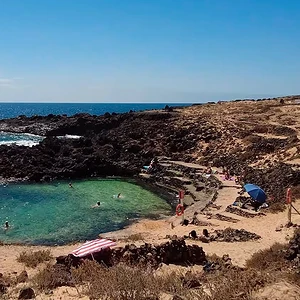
{"x":97,"y":204}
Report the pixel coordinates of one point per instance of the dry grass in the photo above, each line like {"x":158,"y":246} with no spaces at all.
{"x":251,"y":139}
{"x":271,"y":259}
{"x":276,"y":207}
{"x":293,"y":278}
{"x":135,"y":237}
{"x":52,"y":277}
{"x":236,"y":284}
{"x":295,"y":192}
{"x":126,"y":283}
{"x":119,"y":282}
{"x":122,"y":282}
{"x":225,"y":281}
{"x":32,"y":259}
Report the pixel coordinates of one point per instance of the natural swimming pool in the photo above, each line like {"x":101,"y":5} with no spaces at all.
{"x":54,"y":213}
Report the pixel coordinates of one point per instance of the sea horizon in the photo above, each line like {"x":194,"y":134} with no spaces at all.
{"x":15,"y":109}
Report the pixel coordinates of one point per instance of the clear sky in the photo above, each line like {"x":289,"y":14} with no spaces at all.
{"x":148,"y":50}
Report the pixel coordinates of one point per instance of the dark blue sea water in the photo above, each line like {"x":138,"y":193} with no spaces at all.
{"x":11,"y":110}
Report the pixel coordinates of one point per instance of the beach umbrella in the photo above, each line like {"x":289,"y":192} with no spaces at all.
{"x":255,"y":192}
{"x":93,"y":246}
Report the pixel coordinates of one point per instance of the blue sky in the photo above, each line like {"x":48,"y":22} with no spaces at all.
{"x":148,"y":50}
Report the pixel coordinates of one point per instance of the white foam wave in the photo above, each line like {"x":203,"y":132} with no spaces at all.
{"x":69,"y":136}
{"x":19,"y":139}
{"x":4,"y":133}
{"x":20,"y":143}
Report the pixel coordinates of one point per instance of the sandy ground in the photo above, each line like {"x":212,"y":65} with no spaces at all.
{"x":155,"y":231}
{"x":265,"y":226}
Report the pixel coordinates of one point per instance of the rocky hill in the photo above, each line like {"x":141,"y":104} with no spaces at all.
{"x":260,"y":138}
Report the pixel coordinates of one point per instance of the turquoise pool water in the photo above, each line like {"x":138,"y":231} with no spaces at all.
{"x":54,"y":213}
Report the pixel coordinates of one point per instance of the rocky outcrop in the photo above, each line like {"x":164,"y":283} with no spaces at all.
{"x":113,"y":144}
{"x":172,"y":252}
{"x":27,"y":293}
{"x":231,"y":235}
{"x":293,"y":251}
{"x":120,"y":144}
{"x":22,"y":277}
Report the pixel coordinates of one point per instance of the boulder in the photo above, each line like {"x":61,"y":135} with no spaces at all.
{"x":3,"y":287}
{"x":26,"y":293}
{"x":22,"y":277}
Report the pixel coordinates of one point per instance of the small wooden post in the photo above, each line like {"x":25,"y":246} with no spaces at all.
{"x":289,"y":203}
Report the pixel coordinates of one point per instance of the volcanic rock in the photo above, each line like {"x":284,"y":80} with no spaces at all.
{"x":26,"y":293}
{"x":230,"y":235}
{"x":293,"y":251}
{"x":3,"y":287}
{"x":173,"y":252}
{"x":22,"y":277}
{"x":241,"y":212}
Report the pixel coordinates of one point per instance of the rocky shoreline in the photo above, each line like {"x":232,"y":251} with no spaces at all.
{"x":121,"y":144}
{"x":184,"y":142}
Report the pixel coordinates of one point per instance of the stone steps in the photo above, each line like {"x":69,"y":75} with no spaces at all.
{"x":225,"y":217}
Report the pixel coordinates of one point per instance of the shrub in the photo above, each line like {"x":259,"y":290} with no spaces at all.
{"x":295,"y":191}
{"x":32,"y":259}
{"x":118,"y":282}
{"x":269,"y":259}
{"x":276,"y":207}
{"x":251,"y":139}
{"x":235,"y":284}
{"x":135,"y":237}
{"x":52,"y":277}
{"x":122,"y":282}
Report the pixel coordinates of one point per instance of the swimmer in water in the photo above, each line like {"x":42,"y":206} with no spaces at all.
{"x":119,"y":195}
{"x":6,"y":225}
{"x":70,"y":185}
{"x":97,"y":204}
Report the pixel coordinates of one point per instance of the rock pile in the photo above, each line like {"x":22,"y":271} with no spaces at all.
{"x":27,"y":293}
{"x":243,"y":213}
{"x":224,"y":218}
{"x":4,"y":284}
{"x":230,"y":235}
{"x":293,"y":251}
{"x":219,"y":264}
{"x":172,"y":252}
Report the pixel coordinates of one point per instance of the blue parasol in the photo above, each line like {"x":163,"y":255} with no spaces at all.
{"x":255,"y":192}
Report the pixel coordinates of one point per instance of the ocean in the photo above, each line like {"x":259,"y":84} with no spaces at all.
{"x":12,"y":110}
